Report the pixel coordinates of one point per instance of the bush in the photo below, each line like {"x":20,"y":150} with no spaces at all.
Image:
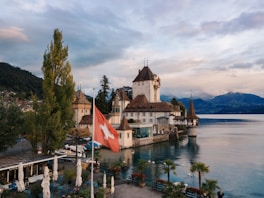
{"x":6,"y":193}
{"x":69,"y":175}
{"x":36,"y":189}
{"x":101,"y":193}
{"x":85,"y":192}
{"x":20,"y":195}
{"x":85,"y":175}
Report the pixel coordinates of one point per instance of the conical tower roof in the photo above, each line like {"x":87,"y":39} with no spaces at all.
{"x":144,"y":75}
{"x":80,"y":98}
{"x":191,"y":112}
{"x":124,"y":125}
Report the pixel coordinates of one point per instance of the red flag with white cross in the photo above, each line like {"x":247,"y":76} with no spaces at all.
{"x":104,"y":132}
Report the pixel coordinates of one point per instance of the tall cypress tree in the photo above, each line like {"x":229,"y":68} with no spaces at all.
{"x":58,"y":89}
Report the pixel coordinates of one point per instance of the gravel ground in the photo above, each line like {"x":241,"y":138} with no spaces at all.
{"x":132,"y":191}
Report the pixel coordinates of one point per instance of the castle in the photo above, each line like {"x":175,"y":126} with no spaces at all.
{"x":142,"y":117}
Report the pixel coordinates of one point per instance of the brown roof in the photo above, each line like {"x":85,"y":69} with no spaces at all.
{"x":191,"y":112}
{"x":139,"y":100}
{"x":144,"y":74}
{"x":80,"y":98}
{"x":141,"y":104}
{"x":87,"y":119}
{"x":122,"y":95}
{"x":124,"y":124}
{"x":179,"y":118}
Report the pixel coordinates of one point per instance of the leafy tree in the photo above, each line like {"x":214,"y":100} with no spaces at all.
{"x":103,"y":95}
{"x":53,"y":116}
{"x":32,"y":128}
{"x":11,"y":120}
{"x":168,"y":166}
{"x":210,"y":186}
{"x":201,"y":168}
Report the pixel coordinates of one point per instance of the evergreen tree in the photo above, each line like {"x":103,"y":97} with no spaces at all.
{"x":102,"y":101}
{"x":112,"y":98}
{"x":54,"y":115}
{"x":174,"y":101}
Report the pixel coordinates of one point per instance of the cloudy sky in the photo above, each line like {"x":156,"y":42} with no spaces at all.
{"x":198,"y":47}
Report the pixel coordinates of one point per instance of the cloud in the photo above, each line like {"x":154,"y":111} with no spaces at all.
{"x":31,"y":6}
{"x":12,"y":34}
{"x":101,"y":35}
{"x":244,"y":22}
{"x":202,"y":46}
{"x":260,"y":62}
{"x":242,"y":66}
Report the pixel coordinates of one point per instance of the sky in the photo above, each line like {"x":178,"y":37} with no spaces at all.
{"x":198,"y":48}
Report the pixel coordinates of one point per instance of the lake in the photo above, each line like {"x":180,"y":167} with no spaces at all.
{"x":231,"y":145}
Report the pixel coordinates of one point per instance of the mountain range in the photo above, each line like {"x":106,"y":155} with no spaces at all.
{"x":24,"y":83}
{"x":230,"y":103}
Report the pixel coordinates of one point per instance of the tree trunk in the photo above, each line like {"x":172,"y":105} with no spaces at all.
{"x":200,"y":184}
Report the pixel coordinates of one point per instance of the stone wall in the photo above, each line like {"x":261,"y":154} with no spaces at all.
{"x":150,"y":140}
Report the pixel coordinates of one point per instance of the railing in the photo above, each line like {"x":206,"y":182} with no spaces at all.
{"x":158,"y":186}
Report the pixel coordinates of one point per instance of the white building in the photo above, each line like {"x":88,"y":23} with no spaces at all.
{"x":145,"y":113}
{"x":146,"y":107}
{"x":148,"y":84}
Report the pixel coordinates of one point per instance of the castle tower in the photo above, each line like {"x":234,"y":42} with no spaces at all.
{"x":148,"y":84}
{"x":125,"y":134}
{"x":115,"y":114}
{"x":81,"y":106}
{"x":192,"y":118}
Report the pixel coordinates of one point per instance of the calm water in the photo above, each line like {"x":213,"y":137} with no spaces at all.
{"x":231,"y":145}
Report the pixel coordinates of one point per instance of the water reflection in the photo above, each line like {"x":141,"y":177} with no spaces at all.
{"x":183,"y":153}
{"x":193,"y":148}
{"x":232,"y":146}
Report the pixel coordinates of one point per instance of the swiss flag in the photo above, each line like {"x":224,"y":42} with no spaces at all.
{"x":104,"y":132}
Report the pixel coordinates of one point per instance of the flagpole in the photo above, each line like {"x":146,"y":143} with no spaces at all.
{"x":92,"y":164}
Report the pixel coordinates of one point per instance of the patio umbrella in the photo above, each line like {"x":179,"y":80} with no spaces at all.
{"x":55,"y":169}
{"x":78,"y":182}
{"x":104,"y":180}
{"x":112,"y":185}
{"x":20,"y":184}
{"x":46,"y":183}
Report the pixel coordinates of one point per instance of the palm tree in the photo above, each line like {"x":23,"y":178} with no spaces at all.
{"x":141,"y":165}
{"x":201,"y":168}
{"x":174,"y":191}
{"x":168,"y":166}
{"x":209,"y":186}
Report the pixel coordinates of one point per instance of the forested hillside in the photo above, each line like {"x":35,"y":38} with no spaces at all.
{"x":20,"y":81}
